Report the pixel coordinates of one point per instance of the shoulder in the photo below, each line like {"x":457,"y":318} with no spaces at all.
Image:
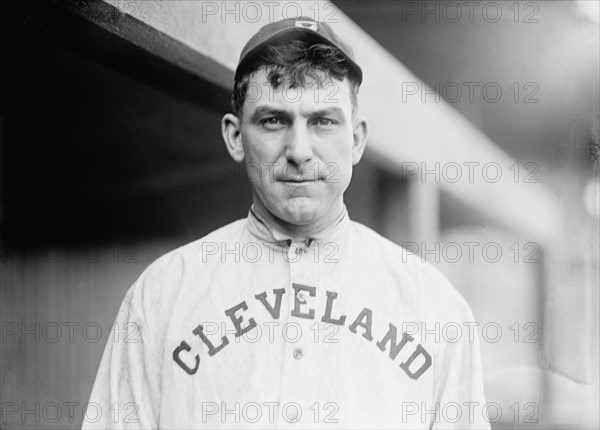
{"x":370,"y":238}
{"x":151,"y":300}
{"x":171,"y":263}
{"x":372,"y":244}
{"x":159,"y":283}
{"x":447,"y":303}
{"x":439,"y":296}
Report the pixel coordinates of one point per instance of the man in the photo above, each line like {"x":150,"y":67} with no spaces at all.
{"x":295,"y":316}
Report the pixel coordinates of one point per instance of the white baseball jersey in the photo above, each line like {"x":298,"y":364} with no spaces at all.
{"x":245,"y":328}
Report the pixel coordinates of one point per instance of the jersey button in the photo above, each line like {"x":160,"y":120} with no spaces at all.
{"x":301,"y":295}
{"x":298,"y":354}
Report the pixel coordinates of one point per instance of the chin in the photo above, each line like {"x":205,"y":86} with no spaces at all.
{"x":300,"y":211}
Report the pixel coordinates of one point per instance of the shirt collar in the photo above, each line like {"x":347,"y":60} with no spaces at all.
{"x":268,"y":233}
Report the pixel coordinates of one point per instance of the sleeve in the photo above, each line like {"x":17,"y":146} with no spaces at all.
{"x":460,"y":401}
{"x":126,"y":392}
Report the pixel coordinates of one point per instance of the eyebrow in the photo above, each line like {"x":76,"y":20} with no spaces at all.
{"x":327,"y":111}
{"x":266,"y":110}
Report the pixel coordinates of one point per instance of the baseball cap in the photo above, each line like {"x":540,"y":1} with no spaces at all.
{"x":292,"y":29}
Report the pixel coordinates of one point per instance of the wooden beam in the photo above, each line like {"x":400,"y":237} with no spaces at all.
{"x":108,"y":34}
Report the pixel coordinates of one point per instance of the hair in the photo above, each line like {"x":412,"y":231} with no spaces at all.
{"x":296,"y":63}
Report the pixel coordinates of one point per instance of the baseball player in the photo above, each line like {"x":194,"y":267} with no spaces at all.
{"x":295,"y":316}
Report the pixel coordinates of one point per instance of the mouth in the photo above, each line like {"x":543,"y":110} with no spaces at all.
{"x":301,"y":181}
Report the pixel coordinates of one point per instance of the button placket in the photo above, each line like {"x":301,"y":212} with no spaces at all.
{"x":296,"y":388}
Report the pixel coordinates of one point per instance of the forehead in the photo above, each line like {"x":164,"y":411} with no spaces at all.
{"x":326,"y":93}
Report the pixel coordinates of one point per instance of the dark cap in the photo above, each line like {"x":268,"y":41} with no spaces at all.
{"x":296,"y":28}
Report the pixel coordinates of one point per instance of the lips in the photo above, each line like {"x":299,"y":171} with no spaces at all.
{"x":299,"y":175}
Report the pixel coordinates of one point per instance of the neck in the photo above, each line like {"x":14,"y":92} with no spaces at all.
{"x":298,"y":232}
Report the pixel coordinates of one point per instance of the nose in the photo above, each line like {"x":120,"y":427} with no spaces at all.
{"x":298,"y":146}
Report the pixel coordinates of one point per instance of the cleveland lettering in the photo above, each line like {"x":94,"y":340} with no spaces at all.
{"x":391,"y":341}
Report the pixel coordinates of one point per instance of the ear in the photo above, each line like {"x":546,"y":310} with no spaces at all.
{"x":232,"y":135}
{"x":360,"y":133}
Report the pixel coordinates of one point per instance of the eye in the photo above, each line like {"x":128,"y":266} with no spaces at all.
{"x":272,"y":123}
{"x":325,"y":122}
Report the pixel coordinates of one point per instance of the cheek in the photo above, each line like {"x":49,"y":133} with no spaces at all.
{"x":259,"y":141}
{"x":339,"y":151}
{"x":338,"y":170}
{"x":259,"y":150}
{"x":260,"y":161}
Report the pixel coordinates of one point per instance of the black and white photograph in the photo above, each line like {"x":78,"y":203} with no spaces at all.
{"x":345,"y":214}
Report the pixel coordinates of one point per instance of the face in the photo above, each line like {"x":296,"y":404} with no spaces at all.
{"x":299,"y":146}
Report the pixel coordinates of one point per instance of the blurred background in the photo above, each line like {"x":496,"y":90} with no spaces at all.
{"x":483,"y":158}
